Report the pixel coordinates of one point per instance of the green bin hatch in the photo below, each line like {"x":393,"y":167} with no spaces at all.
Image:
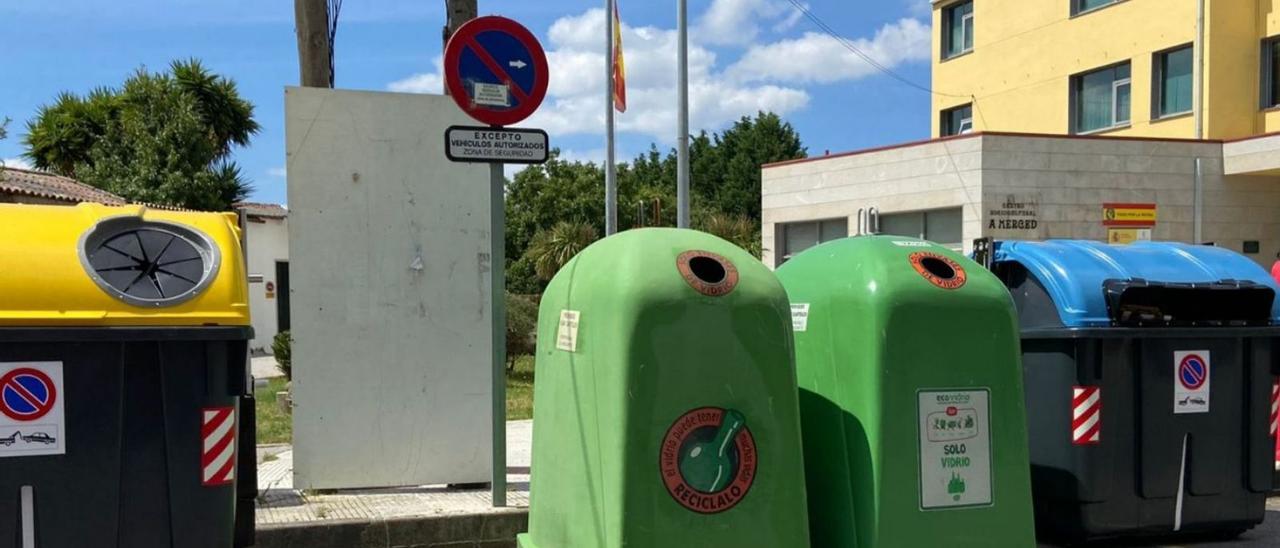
{"x":911,"y":397}
{"x":666,"y":409}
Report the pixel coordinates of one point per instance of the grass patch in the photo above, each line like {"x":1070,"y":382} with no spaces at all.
{"x":274,"y":425}
{"x":520,"y":390}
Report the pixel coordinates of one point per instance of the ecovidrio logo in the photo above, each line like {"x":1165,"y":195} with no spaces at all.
{"x":708,"y":459}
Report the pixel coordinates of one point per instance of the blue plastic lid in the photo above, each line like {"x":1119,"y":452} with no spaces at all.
{"x":1073,"y":271}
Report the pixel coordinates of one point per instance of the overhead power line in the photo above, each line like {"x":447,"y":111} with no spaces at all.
{"x":863,"y":55}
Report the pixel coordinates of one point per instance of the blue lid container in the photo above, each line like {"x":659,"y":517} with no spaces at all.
{"x":1086,"y":279}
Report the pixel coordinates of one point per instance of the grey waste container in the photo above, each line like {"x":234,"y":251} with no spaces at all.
{"x":1148,"y":372}
{"x":125,"y":414}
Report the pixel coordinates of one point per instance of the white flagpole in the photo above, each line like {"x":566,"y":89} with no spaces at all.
{"x":682,"y":139}
{"x":610,"y":174}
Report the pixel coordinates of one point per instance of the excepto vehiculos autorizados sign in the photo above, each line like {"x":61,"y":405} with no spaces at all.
{"x":487,"y":144}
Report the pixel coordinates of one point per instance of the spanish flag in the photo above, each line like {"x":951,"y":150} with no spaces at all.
{"x":619,"y":68}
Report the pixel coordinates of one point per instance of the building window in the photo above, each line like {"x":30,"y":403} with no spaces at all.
{"x":1271,"y":72}
{"x":1171,"y":92}
{"x":957,"y":29}
{"x":958,"y":120}
{"x":797,"y":237}
{"x":1081,"y":6}
{"x":1100,"y":99}
{"x":941,"y":226}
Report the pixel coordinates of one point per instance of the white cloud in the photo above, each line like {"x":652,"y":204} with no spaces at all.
{"x":819,"y":58}
{"x":432,"y":82}
{"x":768,"y":77}
{"x":576,"y":101}
{"x":595,"y":155}
{"x":16,"y":163}
{"x":735,"y":22}
{"x":278,"y":172}
{"x":790,"y":21}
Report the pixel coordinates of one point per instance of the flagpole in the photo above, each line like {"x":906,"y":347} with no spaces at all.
{"x":682,"y":139}
{"x":610,"y":174}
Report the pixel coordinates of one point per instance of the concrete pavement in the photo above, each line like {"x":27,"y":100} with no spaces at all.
{"x":431,"y":516}
{"x":422,"y":516}
{"x":264,"y":367}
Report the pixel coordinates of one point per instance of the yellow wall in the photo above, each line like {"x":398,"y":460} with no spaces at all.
{"x":1232,"y":69}
{"x":1025,"y":52}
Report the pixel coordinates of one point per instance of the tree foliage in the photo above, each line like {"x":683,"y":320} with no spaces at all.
{"x":163,"y":138}
{"x":552,"y":248}
{"x":724,"y":189}
{"x":522,"y":327}
{"x":738,"y":229}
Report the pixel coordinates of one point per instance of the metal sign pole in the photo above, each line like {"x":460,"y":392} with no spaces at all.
{"x":498,"y":278}
{"x":682,"y":114}
{"x":499,"y":93}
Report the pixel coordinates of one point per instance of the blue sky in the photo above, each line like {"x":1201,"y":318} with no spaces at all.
{"x":747,"y":55}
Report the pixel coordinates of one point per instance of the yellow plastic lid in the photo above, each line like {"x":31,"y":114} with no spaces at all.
{"x":97,"y":265}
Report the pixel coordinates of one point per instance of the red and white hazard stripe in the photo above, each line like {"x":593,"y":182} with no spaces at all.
{"x":1086,"y":415}
{"x":218,"y":459}
{"x":1275,"y":407}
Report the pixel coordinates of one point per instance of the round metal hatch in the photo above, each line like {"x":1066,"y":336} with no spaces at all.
{"x":147,"y":263}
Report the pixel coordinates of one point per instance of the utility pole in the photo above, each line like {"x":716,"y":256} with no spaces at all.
{"x":311,"y":17}
{"x":457,"y":12}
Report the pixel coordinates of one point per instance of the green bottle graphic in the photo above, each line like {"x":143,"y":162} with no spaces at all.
{"x":956,"y":486}
{"x":707,"y":466}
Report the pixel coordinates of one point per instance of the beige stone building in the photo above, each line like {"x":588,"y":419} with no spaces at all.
{"x":1025,"y":186}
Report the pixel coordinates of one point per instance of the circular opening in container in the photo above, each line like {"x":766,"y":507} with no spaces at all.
{"x":707,"y":269}
{"x":938,"y":268}
{"x":707,"y":273}
{"x":146,"y":263}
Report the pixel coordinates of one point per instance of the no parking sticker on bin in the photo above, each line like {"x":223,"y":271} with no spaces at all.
{"x":1191,"y":374}
{"x":31,"y":416}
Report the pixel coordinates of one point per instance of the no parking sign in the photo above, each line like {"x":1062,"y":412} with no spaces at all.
{"x":495,"y":70}
{"x":31,"y":414}
{"x":1191,"y":375}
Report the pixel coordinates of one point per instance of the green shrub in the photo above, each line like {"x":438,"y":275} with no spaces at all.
{"x":282,"y":347}
{"x":522,"y":326}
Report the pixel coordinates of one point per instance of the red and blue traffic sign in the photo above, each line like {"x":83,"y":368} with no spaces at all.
{"x":26,"y":394}
{"x":495,"y":70}
{"x":1192,"y":372}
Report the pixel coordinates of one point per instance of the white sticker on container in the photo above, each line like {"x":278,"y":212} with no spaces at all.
{"x":1191,"y":375}
{"x":32,"y":422}
{"x":799,"y":316}
{"x":567,"y":333}
{"x":955,"y":448}
{"x":912,"y":243}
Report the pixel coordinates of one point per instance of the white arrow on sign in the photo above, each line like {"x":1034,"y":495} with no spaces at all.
{"x":518,"y":64}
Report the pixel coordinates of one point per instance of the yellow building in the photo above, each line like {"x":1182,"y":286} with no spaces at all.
{"x":1109,"y":67}
{"x":1072,"y":110}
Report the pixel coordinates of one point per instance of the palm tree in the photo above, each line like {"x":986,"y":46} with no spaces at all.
{"x":553,"y":247}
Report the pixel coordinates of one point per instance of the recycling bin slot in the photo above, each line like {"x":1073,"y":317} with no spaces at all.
{"x":123,"y":380}
{"x":707,"y":269}
{"x":911,"y":397}
{"x":1149,"y":373}
{"x":667,"y":409}
{"x":1138,"y":303}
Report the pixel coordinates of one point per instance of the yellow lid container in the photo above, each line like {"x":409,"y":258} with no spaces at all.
{"x":96,"y":265}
